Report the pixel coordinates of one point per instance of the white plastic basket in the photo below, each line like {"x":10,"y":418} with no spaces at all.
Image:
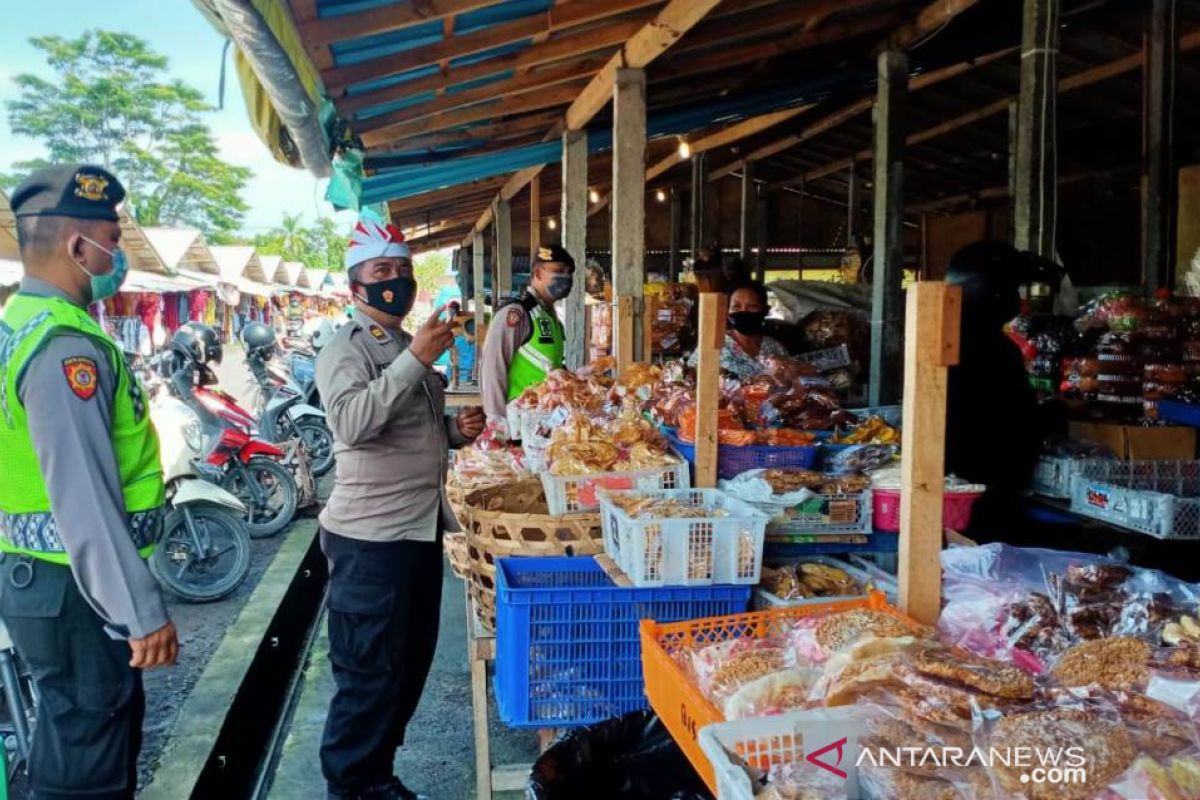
{"x":535,"y":446}
{"x":1052,"y":475}
{"x":575,"y":493}
{"x":761,"y":742}
{"x":764,"y":599}
{"x":1157,"y":498}
{"x":687,"y":552}
{"x":822,"y":514}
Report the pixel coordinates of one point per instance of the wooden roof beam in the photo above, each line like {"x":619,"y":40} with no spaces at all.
{"x":487,"y":185}
{"x":558,"y":96}
{"x":492,"y":132}
{"x":503,"y":90}
{"x":654,"y":39}
{"x":1077,"y":81}
{"x":559,"y":17}
{"x":862,"y":106}
{"x":563,"y":46}
{"x":389,"y":18}
{"x":720,"y":138}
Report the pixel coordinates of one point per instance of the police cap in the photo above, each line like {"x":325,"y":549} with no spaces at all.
{"x":80,"y":191}
{"x":554,"y":254}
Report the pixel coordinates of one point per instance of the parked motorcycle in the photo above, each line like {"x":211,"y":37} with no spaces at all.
{"x":284,"y":400}
{"x":204,"y":551}
{"x":250,"y":467}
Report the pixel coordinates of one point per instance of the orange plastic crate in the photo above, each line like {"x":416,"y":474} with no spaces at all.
{"x":673,"y":695}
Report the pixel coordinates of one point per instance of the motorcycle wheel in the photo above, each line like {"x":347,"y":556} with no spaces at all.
{"x":318,"y":440}
{"x":202,"y":577}
{"x":277,"y":484}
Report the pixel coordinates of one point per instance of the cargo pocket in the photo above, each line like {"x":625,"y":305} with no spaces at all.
{"x":85,"y":737}
{"x":360,"y":626}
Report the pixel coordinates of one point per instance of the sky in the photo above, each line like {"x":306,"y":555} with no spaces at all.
{"x":176,"y":29}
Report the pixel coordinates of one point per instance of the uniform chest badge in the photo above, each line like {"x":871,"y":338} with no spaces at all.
{"x":378,"y":333}
{"x":81,"y":376}
{"x":514,"y":317}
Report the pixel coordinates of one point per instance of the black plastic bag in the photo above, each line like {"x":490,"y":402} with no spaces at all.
{"x":630,"y":757}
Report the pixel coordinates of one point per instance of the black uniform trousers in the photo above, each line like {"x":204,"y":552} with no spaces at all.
{"x":91,"y":705}
{"x":384,"y":605}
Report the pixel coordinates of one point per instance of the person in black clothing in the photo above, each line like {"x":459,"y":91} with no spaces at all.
{"x":994,"y":427}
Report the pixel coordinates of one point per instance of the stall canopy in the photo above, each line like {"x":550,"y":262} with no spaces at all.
{"x":316,"y":278}
{"x":288,"y":274}
{"x":143,"y":255}
{"x":240,"y":266}
{"x":8,"y":231}
{"x":183,"y":251}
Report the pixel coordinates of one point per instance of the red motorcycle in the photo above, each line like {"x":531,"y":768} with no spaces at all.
{"x":250,"y":468}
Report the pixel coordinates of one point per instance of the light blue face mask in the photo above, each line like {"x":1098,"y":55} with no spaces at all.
{"x":108,"y":284}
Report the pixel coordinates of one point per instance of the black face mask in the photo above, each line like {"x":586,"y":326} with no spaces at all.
{"x":393,"y":296}
{"x":748,"y":323}
{"x":560,"y":286}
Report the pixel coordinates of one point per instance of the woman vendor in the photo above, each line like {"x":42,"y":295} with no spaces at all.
{"x":745,"y":343}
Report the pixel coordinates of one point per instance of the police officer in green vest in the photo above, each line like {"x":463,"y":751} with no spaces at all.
{"x":81,"y":492}
{"x":526,"y":338}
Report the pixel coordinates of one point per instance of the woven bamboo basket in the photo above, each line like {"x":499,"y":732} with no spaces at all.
{"x":512,"y":520}
{"x":455,"y":545}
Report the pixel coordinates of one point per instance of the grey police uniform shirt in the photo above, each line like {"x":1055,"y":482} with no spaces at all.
{"x":391,"y":437}
{"x":74,"y":449}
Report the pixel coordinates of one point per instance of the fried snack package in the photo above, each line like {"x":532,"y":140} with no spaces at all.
{"x":794,"y":781}
{"x":774,"y":693}
{"x":722,"y":668}
{"x":1176,"y":778}
{"x":1086,"y":738}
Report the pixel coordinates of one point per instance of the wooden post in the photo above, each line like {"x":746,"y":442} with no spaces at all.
{"x":623,"y":332}
{"x":800,"y":230}
{"x":676,"y":235}
{"x":477,"y":274}
{"x":699,"y":184}
{"x":1037,"y":163}
{"x":713,"y":308}
{"x":745,"y":227}
{"x":1161,"y":202}
{"x":535,"y":217}
{"x":852,"y":203}
{"x":574,"y":239}
{"x":1013,"y":116}
{"x":651,"y":310}
{"x":761,"y":218}
{"x":628,"y":207}
{"x":502,"y":252}
{"x":930,"y":347}
{"x":886,"y":294}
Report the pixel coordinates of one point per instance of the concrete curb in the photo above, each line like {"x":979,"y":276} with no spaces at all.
{"x":204,"y":713}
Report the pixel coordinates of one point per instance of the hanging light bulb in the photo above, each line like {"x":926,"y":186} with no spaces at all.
{"x":593,"y":195}
{"x":660,"y":196}
{"x":685,"y":150}
{"x":551,"y":223}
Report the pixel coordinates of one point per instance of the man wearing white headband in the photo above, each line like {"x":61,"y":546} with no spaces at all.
{"x":382,"y":526}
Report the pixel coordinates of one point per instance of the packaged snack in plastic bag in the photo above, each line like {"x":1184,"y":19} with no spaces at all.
{"x":794,"y":781}
{"x":774,"y":693}
{"x":721,"y":669}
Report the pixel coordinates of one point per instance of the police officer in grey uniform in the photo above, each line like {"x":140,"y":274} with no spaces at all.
{"x":80,"y":494}
{"x":382,"y":526}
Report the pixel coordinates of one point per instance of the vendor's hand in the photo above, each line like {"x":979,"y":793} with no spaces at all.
{"x":432,"y":339}
{"x":159,"y":649}
{"x":471,"y":422}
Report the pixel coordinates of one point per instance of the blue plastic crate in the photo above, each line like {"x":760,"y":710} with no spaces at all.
{"x":567,"y":648}
{"x":733,"y":461}
{"x":1179,"y":413}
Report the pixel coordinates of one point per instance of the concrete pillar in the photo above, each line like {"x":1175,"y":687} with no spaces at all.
{"x":746,"y":226}
{"x":502,"y":224}
{"x":699,"y":186}
{"x":1161,"y":201}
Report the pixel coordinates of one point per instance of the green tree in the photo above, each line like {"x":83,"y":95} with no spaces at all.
{"x":111,"y":102}
{"x":321,"y":245}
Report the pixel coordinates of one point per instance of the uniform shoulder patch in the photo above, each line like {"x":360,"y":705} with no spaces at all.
{"x":514,"y":317}
{"x":81,"y":376}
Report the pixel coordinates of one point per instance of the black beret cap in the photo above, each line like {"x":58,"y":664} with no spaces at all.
{"x":554,"y":254}
{"x":81,"y":191}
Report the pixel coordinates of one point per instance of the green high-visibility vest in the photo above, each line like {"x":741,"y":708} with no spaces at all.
{"x":26,"y":523}
{"x":543,"y":352}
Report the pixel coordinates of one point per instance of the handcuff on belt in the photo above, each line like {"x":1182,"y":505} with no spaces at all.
{"x":21,"y":574}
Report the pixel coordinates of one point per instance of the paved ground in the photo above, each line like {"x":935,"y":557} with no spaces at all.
{"x":439,"y":758}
